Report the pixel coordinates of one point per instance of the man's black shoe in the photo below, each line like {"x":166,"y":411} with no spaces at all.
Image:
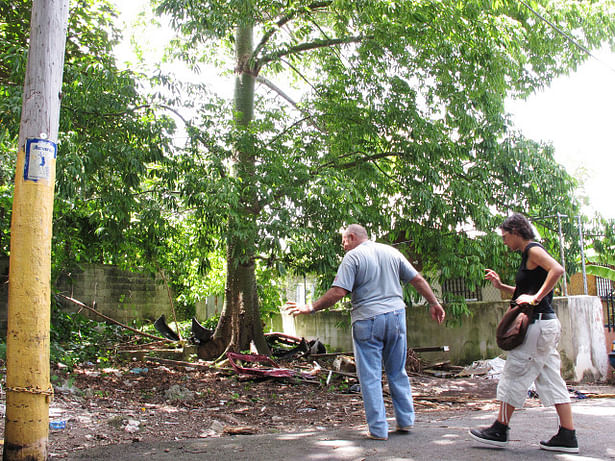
{"x":495,"y":435}
{"x":565,"y":440}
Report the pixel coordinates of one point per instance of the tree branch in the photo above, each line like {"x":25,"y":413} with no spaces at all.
{"x":130,"y":110}
{"x":287,"y":129}
{"x":339,"y":57}
{"x":285,"y":20}
{"x":303,"y":77}
{"x":269,"y":84}
{"x":366,"y":158}
{"x":310,"y":46}
{"x":272,"y":86}
{"x":347,"y":165}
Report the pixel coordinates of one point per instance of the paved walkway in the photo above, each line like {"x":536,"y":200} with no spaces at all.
{"x":432,"y":439}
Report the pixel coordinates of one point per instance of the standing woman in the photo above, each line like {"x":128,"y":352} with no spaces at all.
{"x":537,"y":360}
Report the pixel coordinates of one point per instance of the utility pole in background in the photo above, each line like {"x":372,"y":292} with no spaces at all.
{"x":28,"y":390}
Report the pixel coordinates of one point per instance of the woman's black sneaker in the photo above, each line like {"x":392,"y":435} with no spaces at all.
{"x":495,"y":435}
{"x":565,"y":440}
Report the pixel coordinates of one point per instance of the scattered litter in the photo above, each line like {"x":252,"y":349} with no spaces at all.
{"x":215,"y":430}
{"x":115,"y":421}
{"x":240,"y":430}
{"x":442,"y":369}
{"x":161,"y":325}
{"x":54,"y":413}
{"x":329,"y":376}
{"x":492,"y":368}
{"x":57,"y":425}
{"x":139,"y":371}
{"x":344,"y":363}
{"x":279,"y":344}
{"x":200,"y":334}
{"x":217,"y":426}
{"x":68,"y":386}
{"x":93,"y":374}
{"x":178,"y":393}
{"x":263,"y":366}
{"x":579,"y":394}
{"x":112,"y":371}
{"x":306,"y":410}
{"x":582,"y":394}
{"x":132,"y":426}
{"x":355,"y":389}
{"x":440,"y":373}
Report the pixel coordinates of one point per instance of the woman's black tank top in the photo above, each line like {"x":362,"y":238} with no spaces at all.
{"x":529,"y":282}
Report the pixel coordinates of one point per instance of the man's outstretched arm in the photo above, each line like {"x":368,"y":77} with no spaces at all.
{"x":333,"y":295}
{"x":435,"y":308}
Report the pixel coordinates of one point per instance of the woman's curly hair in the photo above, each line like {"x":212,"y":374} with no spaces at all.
{"x":520,"y":225}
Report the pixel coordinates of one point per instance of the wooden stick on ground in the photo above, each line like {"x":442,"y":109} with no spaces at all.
{"x":415,"y":349}
{"x":185,"y":364}
{"x":109,"y":319}
{"x":331,"y":354}
{"x":343,"y":373}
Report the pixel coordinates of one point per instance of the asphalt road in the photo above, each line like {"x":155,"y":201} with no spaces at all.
{"x":431,"y":439}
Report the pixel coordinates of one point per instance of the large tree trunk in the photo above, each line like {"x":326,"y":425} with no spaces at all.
{"x":240,"y":322}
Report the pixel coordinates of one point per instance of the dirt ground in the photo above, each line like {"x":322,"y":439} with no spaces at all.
{"x":153,"y":401}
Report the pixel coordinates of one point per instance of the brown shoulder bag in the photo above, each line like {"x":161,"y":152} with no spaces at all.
{"x":511,"y":330}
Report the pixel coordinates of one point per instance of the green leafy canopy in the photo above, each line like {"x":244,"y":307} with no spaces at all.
{"x":400,"y":124}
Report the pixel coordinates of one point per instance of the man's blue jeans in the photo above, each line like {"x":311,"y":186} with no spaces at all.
{"x":378,"y":340}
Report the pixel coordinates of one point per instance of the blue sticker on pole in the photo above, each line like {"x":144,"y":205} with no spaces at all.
{"x":39,"y":155}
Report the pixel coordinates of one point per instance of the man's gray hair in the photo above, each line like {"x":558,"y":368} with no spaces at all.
{"x":357,"y":230}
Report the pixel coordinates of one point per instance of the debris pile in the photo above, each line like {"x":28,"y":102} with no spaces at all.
{"x":491,"y":368}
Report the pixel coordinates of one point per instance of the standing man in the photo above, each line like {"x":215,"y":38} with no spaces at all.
{"x":372,"y":272}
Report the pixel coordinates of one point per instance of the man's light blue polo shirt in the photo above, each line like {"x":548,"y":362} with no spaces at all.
{"x":373,"y":273}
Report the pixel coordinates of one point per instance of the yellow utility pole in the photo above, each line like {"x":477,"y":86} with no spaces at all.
{"x":28,"y":390}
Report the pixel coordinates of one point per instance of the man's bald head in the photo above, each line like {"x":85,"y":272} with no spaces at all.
{"x":353,"y":236}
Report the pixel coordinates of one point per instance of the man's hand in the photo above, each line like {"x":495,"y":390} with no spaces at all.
{"x":437,"y":313}
{"x":295,"y":309}
{"x":333,"y":295}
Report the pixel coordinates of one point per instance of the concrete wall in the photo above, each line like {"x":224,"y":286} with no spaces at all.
{"x":300,"y":289}
{"x":470,"y":340}
{"x":332,"y":328}
{"x":121,"y":295}
{"x":209,"y":307}
{"x":584,"y":357}
{"x":126,"y":296}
